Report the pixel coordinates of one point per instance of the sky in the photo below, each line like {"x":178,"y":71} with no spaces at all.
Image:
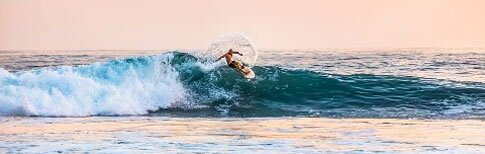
{"x":270,"y":24}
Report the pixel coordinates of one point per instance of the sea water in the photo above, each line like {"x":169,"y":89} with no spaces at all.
{"x":370,"y":84}
{"x":424,"y":84}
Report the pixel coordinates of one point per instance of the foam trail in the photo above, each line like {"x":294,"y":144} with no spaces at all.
{"x":122,"y":87}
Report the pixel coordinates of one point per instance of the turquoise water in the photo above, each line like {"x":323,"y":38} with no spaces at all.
{"x":374,"y":84}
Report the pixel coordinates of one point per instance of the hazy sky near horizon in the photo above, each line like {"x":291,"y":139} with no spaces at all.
{"x":274,"y":24}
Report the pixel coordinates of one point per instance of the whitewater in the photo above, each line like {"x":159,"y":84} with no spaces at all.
{"x":406,"y":83}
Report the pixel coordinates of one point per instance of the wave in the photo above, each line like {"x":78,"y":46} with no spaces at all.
{"x":179,"y":84}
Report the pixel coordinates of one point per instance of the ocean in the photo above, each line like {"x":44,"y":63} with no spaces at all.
{"x":365,"y":84}
{"x":312,"y":88}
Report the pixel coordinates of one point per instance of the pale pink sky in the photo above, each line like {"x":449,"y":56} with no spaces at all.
{"x":275,"y":24}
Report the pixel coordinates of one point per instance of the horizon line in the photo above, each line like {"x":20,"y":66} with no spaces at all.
{"x":261,"y":49}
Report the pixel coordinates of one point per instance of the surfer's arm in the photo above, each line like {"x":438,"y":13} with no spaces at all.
{"x":219,"y":58}
{"x":237,"y":53}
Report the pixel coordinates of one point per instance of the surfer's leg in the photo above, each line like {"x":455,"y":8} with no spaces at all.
{"x":232,"y":65}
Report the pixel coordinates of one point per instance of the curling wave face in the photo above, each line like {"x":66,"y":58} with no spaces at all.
{"x":178,"y":84}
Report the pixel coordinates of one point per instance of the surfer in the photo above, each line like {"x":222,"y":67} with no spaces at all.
{"x":234,"y":64}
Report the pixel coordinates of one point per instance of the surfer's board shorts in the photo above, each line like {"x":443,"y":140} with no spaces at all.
{"x":236,"y":65}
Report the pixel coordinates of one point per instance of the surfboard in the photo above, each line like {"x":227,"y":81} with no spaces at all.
{"x":242,"y":68}
{"x":250,"y":75}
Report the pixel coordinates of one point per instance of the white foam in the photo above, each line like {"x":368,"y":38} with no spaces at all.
{"x":114,"y":88}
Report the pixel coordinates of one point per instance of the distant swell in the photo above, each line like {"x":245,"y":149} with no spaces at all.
{"x":179,"y":84}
